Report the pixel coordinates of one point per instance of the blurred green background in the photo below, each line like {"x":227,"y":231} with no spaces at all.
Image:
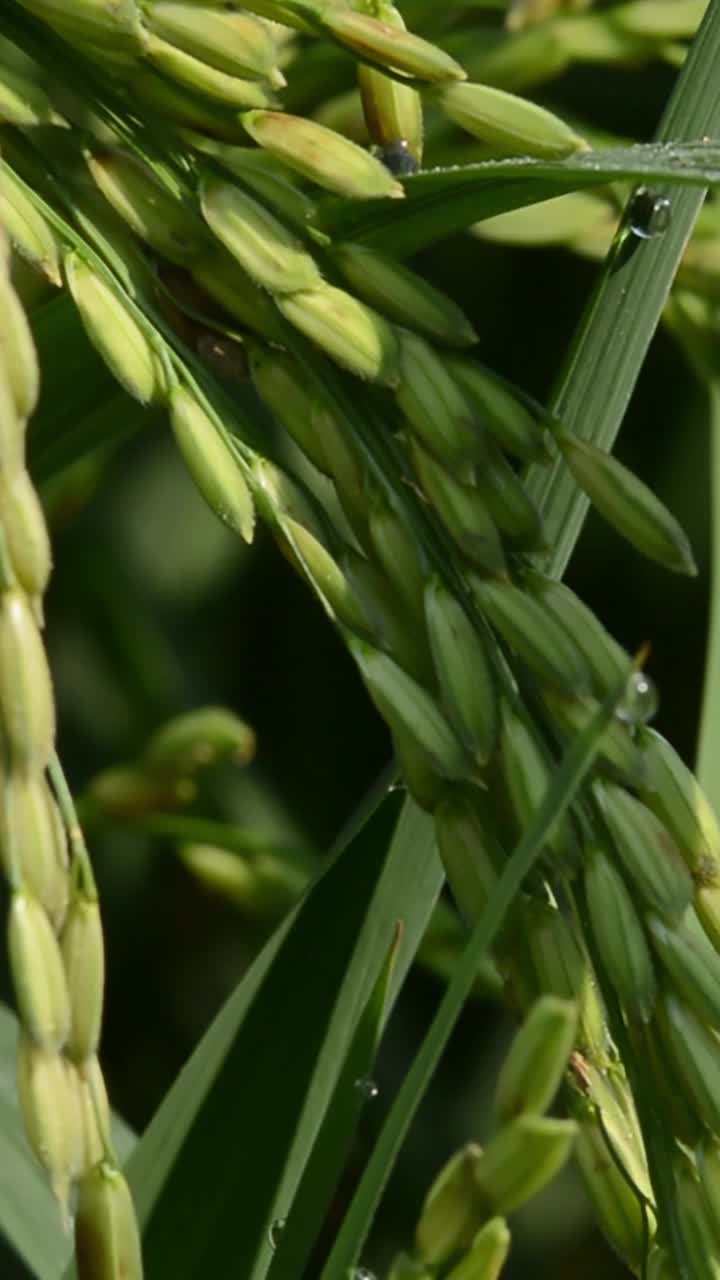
{"x":155,"y":608}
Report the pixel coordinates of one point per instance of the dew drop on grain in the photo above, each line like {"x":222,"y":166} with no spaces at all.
{"x":398,"y":158}
{"x":641,"y":700}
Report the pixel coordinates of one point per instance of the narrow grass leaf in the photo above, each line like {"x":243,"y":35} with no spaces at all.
{"x":574,"y":766}
{"x":610,"y":344}
{"x":355,"y":1088}
{"x":440,"y":202}
{"x":277,"y":1049}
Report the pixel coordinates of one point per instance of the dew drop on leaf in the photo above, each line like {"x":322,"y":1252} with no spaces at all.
{"x":367,"y":1088}
{"x":362,"y":1273}
{"x":649,"y":214}
{"x":276,"y":1229}
{"x":641,"y":700}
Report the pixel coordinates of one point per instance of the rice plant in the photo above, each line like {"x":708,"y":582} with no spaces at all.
{"x":370,"y":286}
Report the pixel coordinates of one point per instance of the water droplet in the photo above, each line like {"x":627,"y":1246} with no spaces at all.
{"x":398,"y":158}
{"x":362,"y":1273}
{"x":396,"y":786}
{"x":367,"y":1088}
{"x":649,"y":214}
{"x":276,"y":1229}
{"x":641,"y":700}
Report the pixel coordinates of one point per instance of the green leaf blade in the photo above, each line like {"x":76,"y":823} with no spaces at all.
{"x":225,"y":1154}
{"x":441,"y":202}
